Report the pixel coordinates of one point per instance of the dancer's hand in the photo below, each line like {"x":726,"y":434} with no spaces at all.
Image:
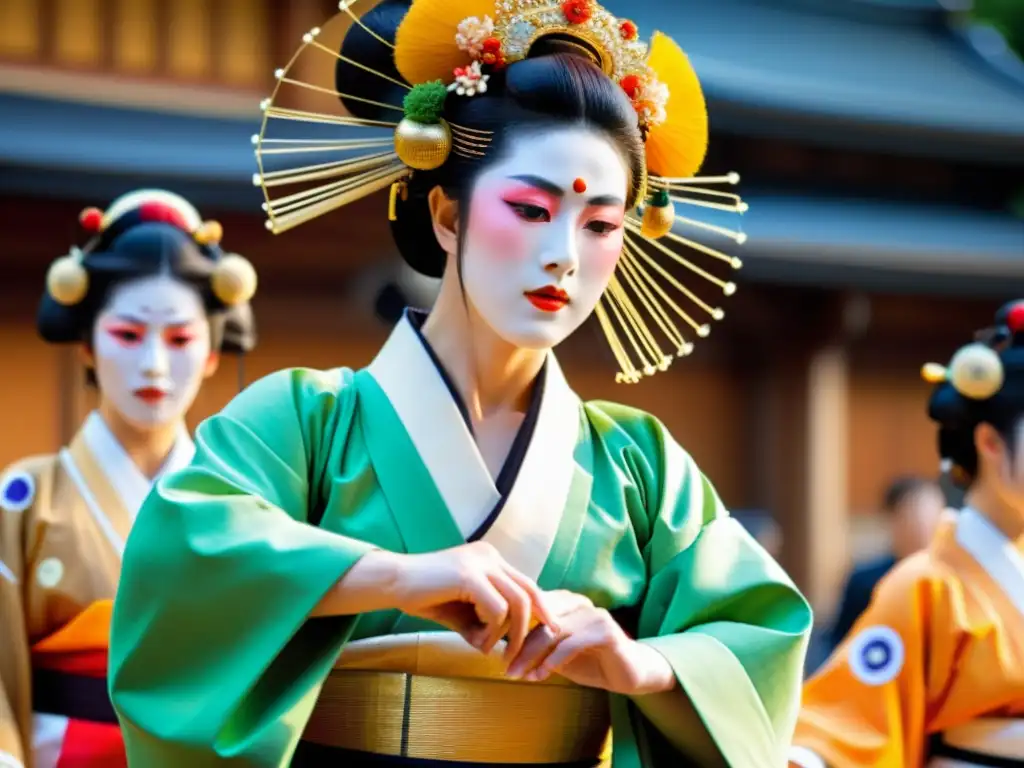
{"x":473,"y":591}
{"x":590,"y":648}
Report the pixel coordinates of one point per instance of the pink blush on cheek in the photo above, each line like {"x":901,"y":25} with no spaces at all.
{"x":495,"y":228}
{"x":603,"y":252}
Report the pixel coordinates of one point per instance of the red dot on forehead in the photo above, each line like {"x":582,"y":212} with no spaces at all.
{"x":579,"y":186}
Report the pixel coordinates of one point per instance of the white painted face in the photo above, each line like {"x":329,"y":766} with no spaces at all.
{"x":151,"y":349}
{"x":539,"y":249}
{"x":1015,"y":475}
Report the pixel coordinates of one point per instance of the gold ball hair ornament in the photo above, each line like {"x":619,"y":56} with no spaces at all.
{"x":67,"y":282}
{"x":210,"y":233}
{"x":423,"y":139}
{"x":976,"y":372}
{"x":659,"y":215}
{"x":234,"y":280}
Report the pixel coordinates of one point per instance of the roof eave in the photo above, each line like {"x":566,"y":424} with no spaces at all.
{"x":854,"y":131}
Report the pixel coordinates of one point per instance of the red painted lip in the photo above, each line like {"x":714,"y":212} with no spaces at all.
{"x":550,"y":298}
{"x":150,"y":395}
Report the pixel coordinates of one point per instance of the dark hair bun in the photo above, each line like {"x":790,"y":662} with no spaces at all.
{"x":146,"y":250}
{"x":362,"y":46}
{"x":958,"y":415}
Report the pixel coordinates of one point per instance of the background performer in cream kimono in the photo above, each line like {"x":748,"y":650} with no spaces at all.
{"x":153,"y":302}
{"x":329,"y":581}
{"x":933,"y":673}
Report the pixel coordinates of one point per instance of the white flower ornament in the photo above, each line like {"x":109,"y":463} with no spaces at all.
{"x":469,"y":81}
{"x":472,"y":33}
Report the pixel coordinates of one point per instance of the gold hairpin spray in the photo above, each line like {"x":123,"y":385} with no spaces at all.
{"x":643,"y":297}
{"x":650,"y":312}
{"x":358,"y":166}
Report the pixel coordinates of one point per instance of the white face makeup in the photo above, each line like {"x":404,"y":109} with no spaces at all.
{"x":537,"y":253}
{"x":1015,"y":478}
{"x":151,"y":346}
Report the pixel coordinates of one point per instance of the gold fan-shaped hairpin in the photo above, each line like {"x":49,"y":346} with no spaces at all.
{"x":326,"y":159}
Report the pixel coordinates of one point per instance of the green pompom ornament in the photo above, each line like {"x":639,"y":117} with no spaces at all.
{"x":425,"y":102}
{"x":659,"y":198}
{"x":423,"y":140}
{"x":659,"y":215}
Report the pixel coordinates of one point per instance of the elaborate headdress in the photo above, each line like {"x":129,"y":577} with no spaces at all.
{"x":983,"y":383}
{"x":448,"y":49}
{"x":233,"y":279}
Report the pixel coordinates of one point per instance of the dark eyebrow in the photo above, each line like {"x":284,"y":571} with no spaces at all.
{"x":543,"y":184}
{"x":606,"y":200}
{"x":173,"y":322}
{"x":553,"y":189}
{"x":131,"y":319}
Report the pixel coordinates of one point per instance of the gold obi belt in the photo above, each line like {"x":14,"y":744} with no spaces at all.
{"x":987,"y":741}
{"x":430,"y":695}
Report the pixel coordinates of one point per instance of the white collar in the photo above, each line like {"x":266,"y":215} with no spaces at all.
{"x":995,"y":553}
{"x":526,"y":527}
{"x":127,"y":480}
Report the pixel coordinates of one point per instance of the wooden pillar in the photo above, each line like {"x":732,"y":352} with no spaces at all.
{"x":802,"y":466}
{"x":826,"y":514}
{"x":799,"y":437}
{"x":781,"y":452}
{"x":20,"y":35}
{"x":293,"y":20}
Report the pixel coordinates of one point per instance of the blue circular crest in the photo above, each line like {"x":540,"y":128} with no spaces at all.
{"x":17,"y":492}
{"x":876,"y":655}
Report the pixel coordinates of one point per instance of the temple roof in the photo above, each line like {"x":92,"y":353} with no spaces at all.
{"x":885,"y":74}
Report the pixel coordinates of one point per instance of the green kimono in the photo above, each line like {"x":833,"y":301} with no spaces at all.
{"x":215,"y":661}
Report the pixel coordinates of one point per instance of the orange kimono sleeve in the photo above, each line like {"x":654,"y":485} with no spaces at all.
{"x":869,"y":704}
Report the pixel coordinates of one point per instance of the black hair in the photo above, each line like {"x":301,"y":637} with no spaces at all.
{"x":559,"y":83}
{"x":903,"y":488}
{"x":958,"y":416}
{"x":140,"y":250}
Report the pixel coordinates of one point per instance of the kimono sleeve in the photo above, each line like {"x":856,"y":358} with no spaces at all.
{"x":728,"y":619}
{"x":214,"y":659}
{"x":19,"y":486}
{"x":867,"y":706}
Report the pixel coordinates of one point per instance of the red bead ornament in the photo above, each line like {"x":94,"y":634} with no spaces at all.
{"x":579,"y":186}
{"x":91,"y":220}
{"x":1015,"y":318}
{"x":492,"y":54}
{"x":577,"y":11}
{"x":631,"y":85}
{"x":628,"y":30}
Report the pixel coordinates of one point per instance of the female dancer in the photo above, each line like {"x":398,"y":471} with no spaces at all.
{"x":933,"y":673}
{"x":287,"y":596}
{"x":153,"y":301}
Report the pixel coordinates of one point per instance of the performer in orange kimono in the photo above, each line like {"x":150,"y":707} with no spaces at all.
{"x":153,"y":301}
{"x":933,"y":673}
